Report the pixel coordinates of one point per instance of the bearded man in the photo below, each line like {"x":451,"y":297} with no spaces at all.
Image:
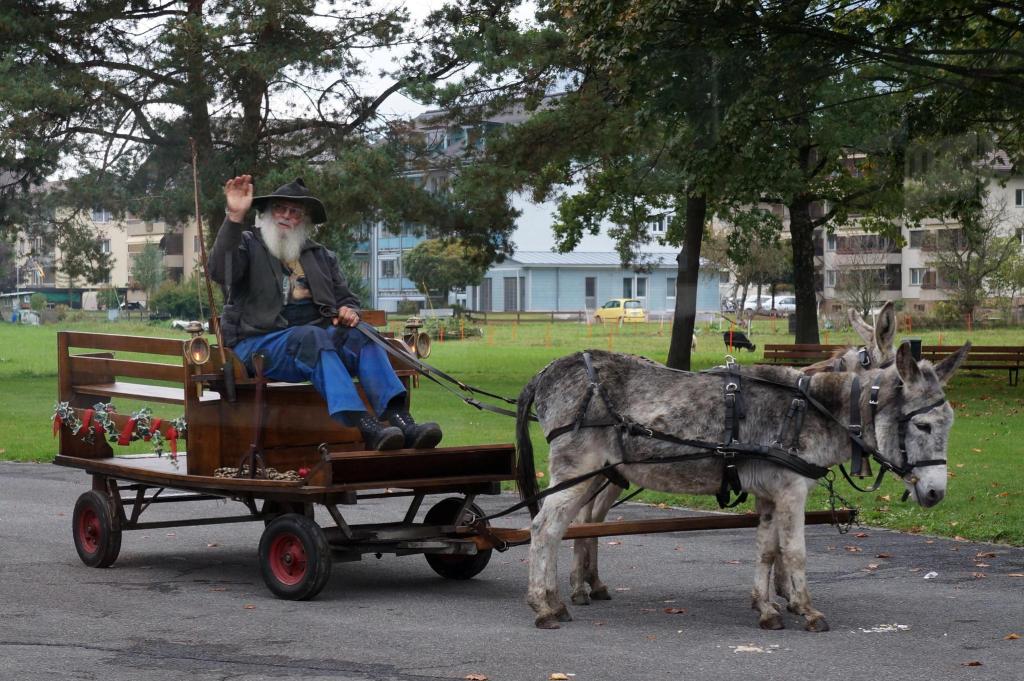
{"x":288,"y":301}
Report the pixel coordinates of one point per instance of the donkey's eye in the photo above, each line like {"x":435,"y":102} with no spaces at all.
{"x":924,"y":427}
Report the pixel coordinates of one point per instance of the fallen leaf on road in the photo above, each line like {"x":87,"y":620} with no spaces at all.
{"x":861,"y":535}
{"x":558,"y":676}
{"x":1016,"y":574}
{"x":872,"y":566}
{"x":622,"y":588}
{"x":675,"y":611}
{"x":853,"y":549}
{"x":1011,"y":637}
{"x":985,"y":554}
{"x":652,"y":637}
{"x":884,"y":555}
{"x":249,"y":607}
{"x":614,"y":543}
{"x":212,"y":546}
{"x":732,"y":562}
{"x":978,"y":575}
{"x":972,"y":663}
{"x":679,"y":547}
{"x":475,"y":677}
{"x":982,"y":565}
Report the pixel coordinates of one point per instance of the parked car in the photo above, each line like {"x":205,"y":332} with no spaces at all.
{"x":757,"y":304}
{"x":785,"y":305}
{"x":621,"y":309}
{"x":134,"y":305}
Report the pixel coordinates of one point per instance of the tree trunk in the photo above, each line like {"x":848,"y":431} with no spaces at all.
{"x":801,"y":229}
{"x":686,"y":283}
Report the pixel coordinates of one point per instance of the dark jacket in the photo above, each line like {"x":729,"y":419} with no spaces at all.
{"x":252,"y":279}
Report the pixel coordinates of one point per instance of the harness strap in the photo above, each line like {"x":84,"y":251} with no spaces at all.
{"x":429,"y":371}
{"x":856,"y":451}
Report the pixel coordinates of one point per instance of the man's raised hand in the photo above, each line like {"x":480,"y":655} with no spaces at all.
{"x":238,"y":197}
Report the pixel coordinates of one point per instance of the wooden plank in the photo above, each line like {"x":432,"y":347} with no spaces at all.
{"x":626,"y":527}
{"x":160,"y":471}
{"x":406,"y":453}
{"x":110,"y":341}
{"x":122,"y":367}
{"x":803,"y":346}
{"x":140,"y":391}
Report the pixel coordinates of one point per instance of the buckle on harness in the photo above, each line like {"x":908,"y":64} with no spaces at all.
{"x":725,"y":453}
{"x":856,"y":429}
{"x":731,"y":387}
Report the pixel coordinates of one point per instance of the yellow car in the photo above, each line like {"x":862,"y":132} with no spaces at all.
{"x":621,"y":310}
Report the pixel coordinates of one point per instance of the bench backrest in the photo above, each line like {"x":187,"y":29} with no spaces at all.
{"x":798,"y":354}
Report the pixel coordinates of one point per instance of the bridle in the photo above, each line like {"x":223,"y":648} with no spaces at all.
{"x":859,"y":446}
{"x":863,"y":359}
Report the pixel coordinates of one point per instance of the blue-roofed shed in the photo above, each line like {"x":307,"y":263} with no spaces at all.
{"x":542,"y":281}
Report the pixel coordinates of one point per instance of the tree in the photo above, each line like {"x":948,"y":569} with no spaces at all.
{"x":860,"y":282}
{"x":148,"y":269}
{"x":437,"y":266}
{"x":82,"y":256}
{"x":966,"y":258}
{"x":117,"y":90}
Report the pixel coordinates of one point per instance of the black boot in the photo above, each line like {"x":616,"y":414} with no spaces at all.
{"x":379,"y":437}
{"x":417,"y":435}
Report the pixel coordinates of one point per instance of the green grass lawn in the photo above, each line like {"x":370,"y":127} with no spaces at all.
{"x":985,"y":499}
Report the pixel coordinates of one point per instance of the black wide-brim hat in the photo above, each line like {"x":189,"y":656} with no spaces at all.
{"x":298,"y":192}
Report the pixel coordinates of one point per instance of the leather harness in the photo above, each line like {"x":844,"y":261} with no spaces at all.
{"x":783,"y":451}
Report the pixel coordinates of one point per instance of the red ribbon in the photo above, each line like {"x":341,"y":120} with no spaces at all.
{"x":154,"y":426}
{"x":86,"y":420}
{"x":172,"y":437}
{"x":57,"y":421}
{"x":125,"y":438}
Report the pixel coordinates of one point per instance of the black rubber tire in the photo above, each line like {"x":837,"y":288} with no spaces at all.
{"x":97,"y":539}
{"x":455,"y":566}
{"x":295,"y":558}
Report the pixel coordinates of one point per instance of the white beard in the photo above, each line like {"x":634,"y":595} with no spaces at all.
{"x":283,"y":244}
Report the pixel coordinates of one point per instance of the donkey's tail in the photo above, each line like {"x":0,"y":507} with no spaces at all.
{"x":526,"y":474}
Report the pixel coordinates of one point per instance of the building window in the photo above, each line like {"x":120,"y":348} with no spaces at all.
{"x":830,"y":278}
{"x":723,"y":277}
{"x":657,"y":224}
{"x":101,"y":215}
{"x":388,"y":269}
{"x":627,"y":287}
{"x":104,"y":245}
{"x":916,"y":238}
{"x":670,"y":287}
{"x":1019,"y":197}
{"x":1020,"y":235}
{"x":195,"y":243}
{"x":830,"y":242}
{"x":917,"y":276}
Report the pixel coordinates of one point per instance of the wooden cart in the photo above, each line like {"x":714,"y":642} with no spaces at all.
{"x":284,"y":427}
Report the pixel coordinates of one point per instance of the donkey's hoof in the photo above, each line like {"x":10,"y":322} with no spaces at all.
{"x":581,"y":598}
{"x":547,"y":622}
{"x":563,"y":614}
{"x":773,"y":622}
{"x":600,"y":594}
{"x":817,"y":625}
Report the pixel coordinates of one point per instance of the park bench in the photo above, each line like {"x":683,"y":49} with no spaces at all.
{"x":983,"y":358}
{"x":288,"y":421}
{"x":797,"y":354}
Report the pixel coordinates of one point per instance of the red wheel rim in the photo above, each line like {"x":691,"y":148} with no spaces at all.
{"x":89,"y":530}
{"x":288,"y":559}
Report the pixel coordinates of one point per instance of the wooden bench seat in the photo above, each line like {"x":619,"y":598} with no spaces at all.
{"x":142,"y":391}
{"x":983,"y":358}
{"x":798,"y":354}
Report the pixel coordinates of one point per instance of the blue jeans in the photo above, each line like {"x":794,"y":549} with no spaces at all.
{"x":311,"y":353}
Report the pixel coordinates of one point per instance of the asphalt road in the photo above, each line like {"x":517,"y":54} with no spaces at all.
{"x":189,"y":603}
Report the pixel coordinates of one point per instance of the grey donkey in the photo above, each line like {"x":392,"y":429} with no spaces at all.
{"x":878,"y":351}
{"x":909,"y":428}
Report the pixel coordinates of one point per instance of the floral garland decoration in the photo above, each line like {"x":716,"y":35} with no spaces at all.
{"x":141,"y":426}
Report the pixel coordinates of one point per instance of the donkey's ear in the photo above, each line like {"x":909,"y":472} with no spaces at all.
{"x":947,"y":367}
{"x":885,"y":330}
{"x":906,"y":365}
{"x":862,"y":328}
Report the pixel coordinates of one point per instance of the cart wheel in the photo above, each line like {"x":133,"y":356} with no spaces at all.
{"x":295,"y":559}
{"x":96,"y":539}
{"x":455,"y":566}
